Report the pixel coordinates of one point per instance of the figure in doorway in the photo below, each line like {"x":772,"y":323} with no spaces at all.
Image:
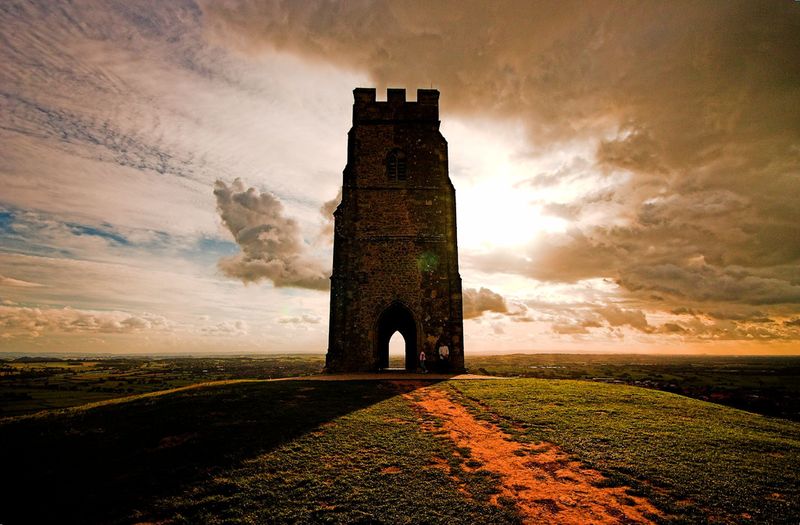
{"x":422,"y":359}
{"x":444,"y":356}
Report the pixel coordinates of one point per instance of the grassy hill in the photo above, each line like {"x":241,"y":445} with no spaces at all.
{"x":358,"y":451}
{"x":696,"y":458}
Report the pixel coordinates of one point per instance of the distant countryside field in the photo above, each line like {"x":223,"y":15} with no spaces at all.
{"x":561,"y":439}
{"x":33,"y":384}
{"x":765,"y":385}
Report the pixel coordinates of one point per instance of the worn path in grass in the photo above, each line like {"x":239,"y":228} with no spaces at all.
{"x":546,"y":485}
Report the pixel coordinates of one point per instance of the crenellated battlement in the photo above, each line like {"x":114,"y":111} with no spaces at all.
{"x":367,"y":109}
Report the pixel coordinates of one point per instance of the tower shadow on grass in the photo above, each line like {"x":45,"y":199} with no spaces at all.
{"x":104,"y":464}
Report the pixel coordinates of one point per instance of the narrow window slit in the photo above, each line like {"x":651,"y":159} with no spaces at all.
{"x":396,"y":166}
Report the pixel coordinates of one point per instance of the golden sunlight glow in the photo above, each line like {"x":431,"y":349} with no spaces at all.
{"x":496,"y":208}
{"x":492,"y":215}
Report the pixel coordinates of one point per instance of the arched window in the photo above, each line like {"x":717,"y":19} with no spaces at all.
{"x":396,"y":165}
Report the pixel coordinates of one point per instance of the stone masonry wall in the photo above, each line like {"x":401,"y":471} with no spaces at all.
{"x":395,"y":240}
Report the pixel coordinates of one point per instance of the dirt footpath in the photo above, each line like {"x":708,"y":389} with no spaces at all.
{"x":547,"y":486}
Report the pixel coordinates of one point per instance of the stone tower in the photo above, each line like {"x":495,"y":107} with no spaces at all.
{"x":395,"y":257}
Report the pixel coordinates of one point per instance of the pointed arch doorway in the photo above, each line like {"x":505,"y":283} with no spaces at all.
{"x":397,"y":318}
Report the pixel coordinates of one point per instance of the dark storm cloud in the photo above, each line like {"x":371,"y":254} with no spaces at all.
{"x":707,"y":283}
{"x":698,"y":102}
{"x":271,"y":243}
{"x":567,"y":67}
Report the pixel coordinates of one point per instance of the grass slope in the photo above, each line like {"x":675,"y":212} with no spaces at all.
{"x":271,"y":452}
{"x":315,"y":451}
{"x":700,"y":460}
{"x":32,"y":384}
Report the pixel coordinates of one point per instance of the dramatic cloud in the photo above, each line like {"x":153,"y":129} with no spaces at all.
{"x":585,"y":319}
{"x":626,"y":172}
{"x":706,"y":283}
{"x":617,"y":316}
{"x":686,"y":116}
{"x":116,"y":118}
{"x":476,"y":302}
{"x":271,"y":245}
{"x":568,"y":68}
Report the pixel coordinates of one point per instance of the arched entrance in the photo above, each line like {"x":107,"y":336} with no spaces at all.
{"x":397,"y":318}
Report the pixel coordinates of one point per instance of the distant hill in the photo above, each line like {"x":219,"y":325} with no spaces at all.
{"x":34,"y":359}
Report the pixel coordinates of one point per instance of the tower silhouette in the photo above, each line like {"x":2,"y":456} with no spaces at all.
{"x":395,"y":255}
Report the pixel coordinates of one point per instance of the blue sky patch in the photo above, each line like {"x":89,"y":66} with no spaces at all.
{"x":6,"y":220}
{"x":80,"y":229}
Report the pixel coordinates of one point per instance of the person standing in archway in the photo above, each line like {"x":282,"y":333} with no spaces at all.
{"x":444,"y":356}
{"x":422,"y":359}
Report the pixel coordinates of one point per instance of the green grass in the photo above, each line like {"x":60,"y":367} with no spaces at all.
{"x":30,"y":385}
{"x":697,"y":459}
{"x":271,"y":452}
{"x":370,"y":466}
{"x":768,"y":385}
{"x":354,"y":451}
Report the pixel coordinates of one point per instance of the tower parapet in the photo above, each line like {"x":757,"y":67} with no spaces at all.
{"x":366,"y":109}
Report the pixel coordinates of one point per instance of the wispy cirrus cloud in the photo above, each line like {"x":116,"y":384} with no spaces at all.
{"x":301,"y":319}
{"x":115,"y":121}
{"x":19,"y":283}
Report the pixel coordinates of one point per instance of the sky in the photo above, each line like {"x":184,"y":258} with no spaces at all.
{"x":627,"y":174}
